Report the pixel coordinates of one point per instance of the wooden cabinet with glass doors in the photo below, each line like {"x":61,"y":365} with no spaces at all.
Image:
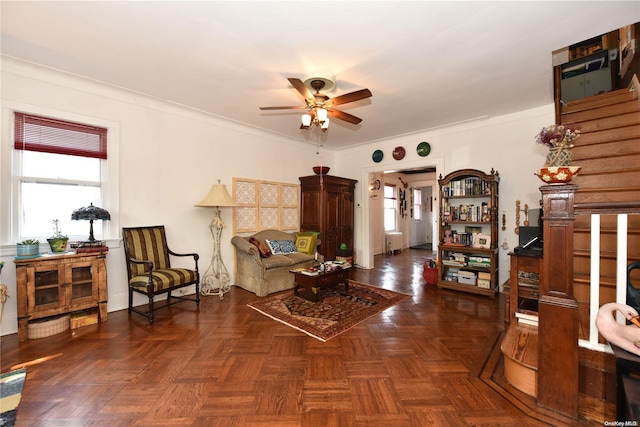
{"x":59,"y":284}
{"x":468,"y":237}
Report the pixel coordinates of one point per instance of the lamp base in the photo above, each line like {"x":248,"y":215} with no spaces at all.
{"x":215,"y":283}
{"x":216,"y":280}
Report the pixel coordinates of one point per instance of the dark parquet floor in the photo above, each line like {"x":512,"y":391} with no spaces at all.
{"x":421,"y":363}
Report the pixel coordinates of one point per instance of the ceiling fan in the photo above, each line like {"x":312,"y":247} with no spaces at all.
{"x":319,"y":106}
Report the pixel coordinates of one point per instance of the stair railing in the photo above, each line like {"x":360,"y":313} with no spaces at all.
{"x":596,"y":210}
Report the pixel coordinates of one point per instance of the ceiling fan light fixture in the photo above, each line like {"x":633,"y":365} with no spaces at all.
{"x":321,"y":114}
{"x":316,"y":103}
{"x":306,"y":121}
{"x":328,"y":83}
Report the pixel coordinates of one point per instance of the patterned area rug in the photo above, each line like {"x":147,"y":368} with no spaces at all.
{"x":336,"y":311}
{"x":10,"y":393}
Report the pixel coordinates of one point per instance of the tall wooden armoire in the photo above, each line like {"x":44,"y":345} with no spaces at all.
{"x":327,"y":206}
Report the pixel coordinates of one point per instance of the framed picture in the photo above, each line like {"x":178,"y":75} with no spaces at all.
{"x":481,"y":241}
{"x":473,"y":230}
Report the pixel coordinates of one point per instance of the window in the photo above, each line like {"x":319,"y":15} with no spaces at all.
{"x":390,"y":207}
{"x":417,"y":204}
{"x":59,"y":166}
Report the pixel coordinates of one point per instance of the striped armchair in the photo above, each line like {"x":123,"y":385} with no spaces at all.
{"x":149,"y":268}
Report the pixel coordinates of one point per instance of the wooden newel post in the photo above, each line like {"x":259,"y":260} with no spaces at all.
{"x":557,"y":308}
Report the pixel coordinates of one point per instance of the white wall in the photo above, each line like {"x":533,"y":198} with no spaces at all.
{"x":169,"y":157}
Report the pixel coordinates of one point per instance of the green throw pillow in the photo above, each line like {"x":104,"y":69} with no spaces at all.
{"x":306,"y":243}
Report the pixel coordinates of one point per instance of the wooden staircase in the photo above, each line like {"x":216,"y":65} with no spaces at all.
{"x":539,"y":362}
{"x":609,"y":152}
{"x":520,"y":350}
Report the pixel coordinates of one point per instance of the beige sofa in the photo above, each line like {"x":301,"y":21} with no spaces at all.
{"x":264,"y":276}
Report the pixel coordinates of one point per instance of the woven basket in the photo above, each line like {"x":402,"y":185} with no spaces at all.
{"x":47,"y":327}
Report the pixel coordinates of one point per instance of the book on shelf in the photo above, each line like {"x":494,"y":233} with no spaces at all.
{"x":528,"y":317}
{"x":528,"y":285}
{"x":528,"y":322}
{"x":453,"y":263}
{"x":91,"y":249}
{"x":88,"y":243}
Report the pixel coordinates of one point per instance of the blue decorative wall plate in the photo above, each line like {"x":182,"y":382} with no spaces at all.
{"x":377,"y":156}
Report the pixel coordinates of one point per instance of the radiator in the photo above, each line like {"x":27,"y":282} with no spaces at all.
{"x":393,"y":241}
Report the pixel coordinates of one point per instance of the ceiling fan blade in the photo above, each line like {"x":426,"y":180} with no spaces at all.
{"x":344,"y":116}
{"x":350,"y":97}
{"x":284,"y":108}
{"x":301,"y":87}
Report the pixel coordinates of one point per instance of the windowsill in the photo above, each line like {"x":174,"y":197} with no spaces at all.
{"x":10,"y":250}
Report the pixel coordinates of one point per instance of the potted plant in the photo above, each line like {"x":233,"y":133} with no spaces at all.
{"x":57,"y":242}
{"x":28,"y":248}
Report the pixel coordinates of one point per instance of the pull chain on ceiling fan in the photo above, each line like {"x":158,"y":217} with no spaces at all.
{"x":319,"y":106}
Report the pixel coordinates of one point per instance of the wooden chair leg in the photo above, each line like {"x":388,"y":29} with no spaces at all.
{"x":130,"y":300}
{"x":150,"y":310}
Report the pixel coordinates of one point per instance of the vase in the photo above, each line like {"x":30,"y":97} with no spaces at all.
{"x":558,"y":156}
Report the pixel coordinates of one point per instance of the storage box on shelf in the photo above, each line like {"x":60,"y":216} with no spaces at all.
{"x":468,"y":252}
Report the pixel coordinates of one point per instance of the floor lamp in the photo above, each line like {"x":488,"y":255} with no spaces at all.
{"x":216,"y":280}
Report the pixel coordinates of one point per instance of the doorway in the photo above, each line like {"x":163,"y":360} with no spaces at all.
{"x":421,"y":222}
{"x":372,"y":237}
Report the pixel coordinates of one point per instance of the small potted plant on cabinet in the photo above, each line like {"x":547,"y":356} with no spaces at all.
{"x":57,"y":242}
{"x":28,"y":248}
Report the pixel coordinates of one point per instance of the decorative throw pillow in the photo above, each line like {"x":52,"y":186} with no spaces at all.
{"x":306,"y":243}
{"x":262,"y":249}
{"x":281,"y":246}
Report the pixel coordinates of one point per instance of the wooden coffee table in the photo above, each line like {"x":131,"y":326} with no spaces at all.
{"x":328,"y":278}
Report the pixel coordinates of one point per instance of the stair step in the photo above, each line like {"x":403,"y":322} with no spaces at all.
{"x":611,"y":110}
{"x":597,"y":101}
{"x":520,"y":350}
{"x":521,"y":344}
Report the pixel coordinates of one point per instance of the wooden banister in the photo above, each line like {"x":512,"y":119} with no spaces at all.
{"x":558,"y":357}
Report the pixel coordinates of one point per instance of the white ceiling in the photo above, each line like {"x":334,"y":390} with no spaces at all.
{"x":428,"y":64}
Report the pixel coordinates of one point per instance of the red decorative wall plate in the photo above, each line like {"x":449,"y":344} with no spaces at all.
{"x":398,"y":153}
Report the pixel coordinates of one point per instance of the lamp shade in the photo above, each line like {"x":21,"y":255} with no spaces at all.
{"x":321,"y":114}
{"x":306,"y":120}
{"x":218,"y":196}
{"x":90,"y":213}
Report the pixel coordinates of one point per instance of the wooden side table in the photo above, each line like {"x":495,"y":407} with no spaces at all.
{"x":51,"y":285}
{"x":327,"y":278}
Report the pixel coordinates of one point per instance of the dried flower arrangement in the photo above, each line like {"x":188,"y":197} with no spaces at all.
{"x":559,"y":139}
